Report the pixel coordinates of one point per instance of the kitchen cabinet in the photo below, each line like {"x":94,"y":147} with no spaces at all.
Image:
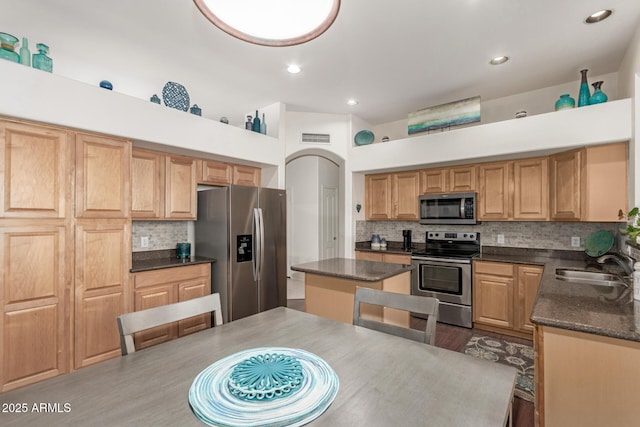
{"x":36,"y":171}
{"x":35,"y":299}
{"x":166,"y":286}
{"x":445,"y":180}
{"x":514,"y":190}
{"x":181,"y":188}
{"x":585,"y":379}
{"x":102,"y":263}
{"x":147,"y":184}
{"x":493,"y":193}
{"x":589,"y":184}
{"x":103,"y":177}
{"x":384,"y":257}
{"x":392,"y":196}
{"x":215,"y":173}
{"x":246,"y":175}
{"x":503,"y":296}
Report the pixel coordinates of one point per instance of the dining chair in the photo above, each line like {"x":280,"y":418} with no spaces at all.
{"x":412,"y":303}
{"x":130,"y":323}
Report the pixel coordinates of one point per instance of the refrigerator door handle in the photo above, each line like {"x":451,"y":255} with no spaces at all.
{"x":261,"y":243}
{"x":256,"y":235}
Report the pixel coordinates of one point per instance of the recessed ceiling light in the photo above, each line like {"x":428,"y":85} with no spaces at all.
{"x":600,"y":15}
{"x":352,"y":102}
{"x":294,"y":69}
{"x":499,"y":60}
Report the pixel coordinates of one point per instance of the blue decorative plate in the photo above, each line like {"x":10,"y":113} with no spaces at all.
{"x":260,"y":387}
{"x":175,"y":96}
{"x":364,"y":137}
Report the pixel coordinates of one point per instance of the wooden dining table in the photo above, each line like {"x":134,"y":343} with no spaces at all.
{"x":384,"y":380}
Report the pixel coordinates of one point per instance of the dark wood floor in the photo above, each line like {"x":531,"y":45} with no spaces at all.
{"x":454,"y":338}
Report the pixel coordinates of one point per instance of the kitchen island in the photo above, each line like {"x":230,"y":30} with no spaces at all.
{"x":330,"y":286}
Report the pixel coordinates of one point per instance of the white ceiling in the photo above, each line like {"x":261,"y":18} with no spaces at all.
{"x":393,"y":56}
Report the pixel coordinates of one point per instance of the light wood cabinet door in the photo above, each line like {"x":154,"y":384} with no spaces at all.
{"x":565,"y":185}
{"x":147,"y":184}
{"x":103,"y":260}
{"x":404,"y":194}
{"x":181,"y":196}
{"x":215,"y":173}
{"x":368,"y":256}
{"x":433,"y":181}
{"x":493,"y":294}
{"x":35,"y":298}
{"x":493,"y":196}
{"x":189,"y":290}
{"x":246,"y":175}
{"x":528,"y":282}
{"x":151,"y":297}
{"x":605,"y":177}
{"x":35,"y":165}
{"x":378,"y":196}
{"x":461,"y":179}
{"x":397,"y":258}
{"x":531,"y":189}
{"x":103,"y":177}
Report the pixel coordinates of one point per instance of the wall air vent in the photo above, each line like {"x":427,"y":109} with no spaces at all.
{"x":315,"y":138}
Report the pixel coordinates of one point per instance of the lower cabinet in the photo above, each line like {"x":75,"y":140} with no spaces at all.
{"x":503,"y":296}
{"x":103,"y":260}
{"x":383,"y":257}
{"x":166,"y":286}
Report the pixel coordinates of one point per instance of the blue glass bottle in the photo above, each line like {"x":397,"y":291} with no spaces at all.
{"x":40,"y":60}
{"x":598,"y":96}
{"x":7,"y":43}
{"x":25,"y":54}
{"x":584,"y":95}
{"x":256,"y":123}
{"x":565,"y":102}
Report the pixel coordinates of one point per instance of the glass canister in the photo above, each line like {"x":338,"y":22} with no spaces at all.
{"x":40,"y":60}
{"x":7,"y":44}
{"x":183,"y":250}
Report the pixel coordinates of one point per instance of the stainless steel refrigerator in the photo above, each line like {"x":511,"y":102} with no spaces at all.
{"x":244,"y":229}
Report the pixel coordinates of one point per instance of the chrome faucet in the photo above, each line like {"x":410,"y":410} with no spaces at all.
{"x":621,"y":260}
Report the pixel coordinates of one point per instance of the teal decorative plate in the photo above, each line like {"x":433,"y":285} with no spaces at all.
{"x":598,"y":243}
{"x":260,"y":387}
{"x":364,"y":137}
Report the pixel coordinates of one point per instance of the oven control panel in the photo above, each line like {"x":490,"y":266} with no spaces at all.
{"x":453,"y":236}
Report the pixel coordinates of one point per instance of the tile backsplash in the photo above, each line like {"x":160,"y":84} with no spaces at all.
{"x":540,"y":235}
{"x":161,"y":234}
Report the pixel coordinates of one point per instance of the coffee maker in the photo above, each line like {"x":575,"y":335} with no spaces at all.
{"x":406,"y":240}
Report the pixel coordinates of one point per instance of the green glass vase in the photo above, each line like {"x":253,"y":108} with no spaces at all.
{"x":7,"y":44}
{"x":40,"y":60}
{"x":584,"y":95}
{"x":598,"y":96}
{"x":565,"y":101}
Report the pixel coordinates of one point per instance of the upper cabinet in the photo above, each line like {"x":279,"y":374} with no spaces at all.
{"x":215,"y":173}
{"x":181,"y":196}
{"x":103,"y":177}
{"x":246,"y":175}
{"x":445,"y":180}
{"x":392,"y":196}
{"x":493,"y":192}
{"x":147,"y":185}
{"x":36,"y":171}
{"x":589,"y":184}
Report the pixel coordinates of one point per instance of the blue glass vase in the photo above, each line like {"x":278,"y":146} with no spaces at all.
{"x":565,"y":101}
{"x":7,"y":43}
{"x":584,"y":95}
{"x":598,"y":96}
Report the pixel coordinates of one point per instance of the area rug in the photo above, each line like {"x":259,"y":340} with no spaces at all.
{"x":518,"y":356}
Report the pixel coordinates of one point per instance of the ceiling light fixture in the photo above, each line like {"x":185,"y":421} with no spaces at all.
{"x":600,"y":15}
{"x":271,"y":22}
{"x":499,"y":60}
{"x":352,"y":102}
{"x":294,"y":69}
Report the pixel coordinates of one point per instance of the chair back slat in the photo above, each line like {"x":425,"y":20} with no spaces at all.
{"x":130,"y":323}
{"x":411,"y":303}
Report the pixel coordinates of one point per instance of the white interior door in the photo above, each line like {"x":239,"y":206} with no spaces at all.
{"x":328,"y":222}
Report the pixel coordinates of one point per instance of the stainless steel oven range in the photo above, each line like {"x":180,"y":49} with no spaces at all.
{"x":443,"y":271}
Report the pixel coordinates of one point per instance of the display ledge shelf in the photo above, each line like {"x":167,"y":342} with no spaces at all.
{"x":31,"y":94}
{"x":540,"y":134}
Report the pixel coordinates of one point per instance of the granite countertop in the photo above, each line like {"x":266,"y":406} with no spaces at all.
{"x":574,"y":306}
{"x":392,"y":248}
{"x":367,"y":271}
{"x":155,"y":260}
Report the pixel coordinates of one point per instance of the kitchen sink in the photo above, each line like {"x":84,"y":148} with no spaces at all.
{"x":590,"y":277}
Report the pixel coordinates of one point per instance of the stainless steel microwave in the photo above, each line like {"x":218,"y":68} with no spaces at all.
{"x":448,"y":208}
